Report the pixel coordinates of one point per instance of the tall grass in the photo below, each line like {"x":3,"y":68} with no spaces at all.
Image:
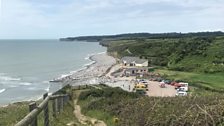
{"x":203,"y":109}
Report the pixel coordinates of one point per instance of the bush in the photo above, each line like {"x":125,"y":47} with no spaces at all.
{"x":94,"y":93}
{"x":133,"y":110}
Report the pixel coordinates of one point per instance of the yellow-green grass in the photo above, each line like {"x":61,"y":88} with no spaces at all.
{"x":98,"y":114}
{"x":214,"y":80}
{"x":13,"y":113}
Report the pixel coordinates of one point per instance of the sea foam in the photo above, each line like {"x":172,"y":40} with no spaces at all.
{"x":25,"y":83}
{"x":8,"y":78}
{"x":2,"y":90}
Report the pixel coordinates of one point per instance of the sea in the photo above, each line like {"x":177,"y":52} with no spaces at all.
{"x":27,"y":66}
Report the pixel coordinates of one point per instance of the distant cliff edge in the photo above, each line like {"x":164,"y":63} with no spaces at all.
{"x":142,"y":35}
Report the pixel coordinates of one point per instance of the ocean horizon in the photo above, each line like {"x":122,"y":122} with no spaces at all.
{"x":27,"y":66}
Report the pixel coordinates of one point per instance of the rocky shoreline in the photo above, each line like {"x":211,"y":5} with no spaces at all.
{"x":99,"y":73}
{"x":94,"y":73}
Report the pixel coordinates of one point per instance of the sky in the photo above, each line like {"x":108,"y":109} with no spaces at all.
{"x":52,"y":19}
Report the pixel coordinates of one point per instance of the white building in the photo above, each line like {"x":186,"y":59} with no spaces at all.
{"x":134,"y":61}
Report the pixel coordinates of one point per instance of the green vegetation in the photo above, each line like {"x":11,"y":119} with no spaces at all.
{"x":212,"y":82}
{"x":65,"y":117}
{"x":132,"y":36}
{"x":13,"y":113}
{"x":131,"y":109}
{"x":120,"y":108}
{"x":198,"y":60}
{"x":102,"y":103}
{"x":199,"y":54}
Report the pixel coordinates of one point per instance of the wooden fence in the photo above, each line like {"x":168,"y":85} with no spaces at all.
{"x":58,"y":102}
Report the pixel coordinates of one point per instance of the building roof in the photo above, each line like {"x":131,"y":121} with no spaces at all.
{"x":130,"y":59}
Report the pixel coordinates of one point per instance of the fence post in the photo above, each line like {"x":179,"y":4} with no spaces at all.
{"x":67,"y":98}
{"x":58,"y":105}
{"x":62,"y":103}
{"x":33,"y":106}
{"x":46,"y":113}
{"x":54,"y":107}
{"x":64,"y":100}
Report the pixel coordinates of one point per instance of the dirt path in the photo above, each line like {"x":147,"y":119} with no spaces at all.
{"x":85,"y":120}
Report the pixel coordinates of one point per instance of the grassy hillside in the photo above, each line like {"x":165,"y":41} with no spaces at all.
{"x":198,"y":60}
{"x":211,"y":82}
{"x":119,"y":108}
{"x":13,"y":113}
{"x":197,"y":54}
{"x":193,"y":52}
{"x":131,"y":36}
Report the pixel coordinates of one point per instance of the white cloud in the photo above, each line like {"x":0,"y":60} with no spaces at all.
{"x":49,"y":19}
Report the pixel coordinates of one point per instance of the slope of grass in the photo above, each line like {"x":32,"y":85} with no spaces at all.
{"x":13,"y":113}
{"x":91,"y":100}
{"x":99,"y":114}
{"x":136,"y":110}
{"x":183,"y":54}
{"x":201,"y":59}
{"x":213,"y":81}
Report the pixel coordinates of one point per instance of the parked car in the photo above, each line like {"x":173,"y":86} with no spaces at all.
{"x":177,"y":85}
{"x":141,"y":87}
{"x":162,"y":84}
{"x":181,"y":93}
{"x":182,"y":89}
{"x":167,"y":81}
{"x":184,"y":85}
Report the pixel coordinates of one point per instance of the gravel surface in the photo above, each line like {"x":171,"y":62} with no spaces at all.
{"x":156,"y":90}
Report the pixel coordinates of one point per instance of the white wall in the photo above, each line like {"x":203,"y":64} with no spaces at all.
{"x":145,"y":64}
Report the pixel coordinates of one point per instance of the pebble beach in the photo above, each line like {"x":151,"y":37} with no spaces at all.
{"x":98,"y":73}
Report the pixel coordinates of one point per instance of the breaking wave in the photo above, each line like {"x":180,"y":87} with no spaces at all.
{"x":3,"y":77}
{"x":2,"y":90}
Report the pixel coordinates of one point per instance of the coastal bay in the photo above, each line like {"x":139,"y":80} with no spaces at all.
{"x":27,"y":66}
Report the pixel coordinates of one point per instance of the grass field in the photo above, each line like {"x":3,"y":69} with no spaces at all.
{"x":13,"y":113}
{"x":98,"y":114}
{"x":136,"y":110}
{"x":101,"y":115}
{"x":215,"y":80}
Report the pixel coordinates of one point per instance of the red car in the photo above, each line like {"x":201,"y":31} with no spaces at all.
{"x":176,"y":85}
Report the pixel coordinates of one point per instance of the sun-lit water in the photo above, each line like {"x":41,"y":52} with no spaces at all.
{"x":26,"y":66}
